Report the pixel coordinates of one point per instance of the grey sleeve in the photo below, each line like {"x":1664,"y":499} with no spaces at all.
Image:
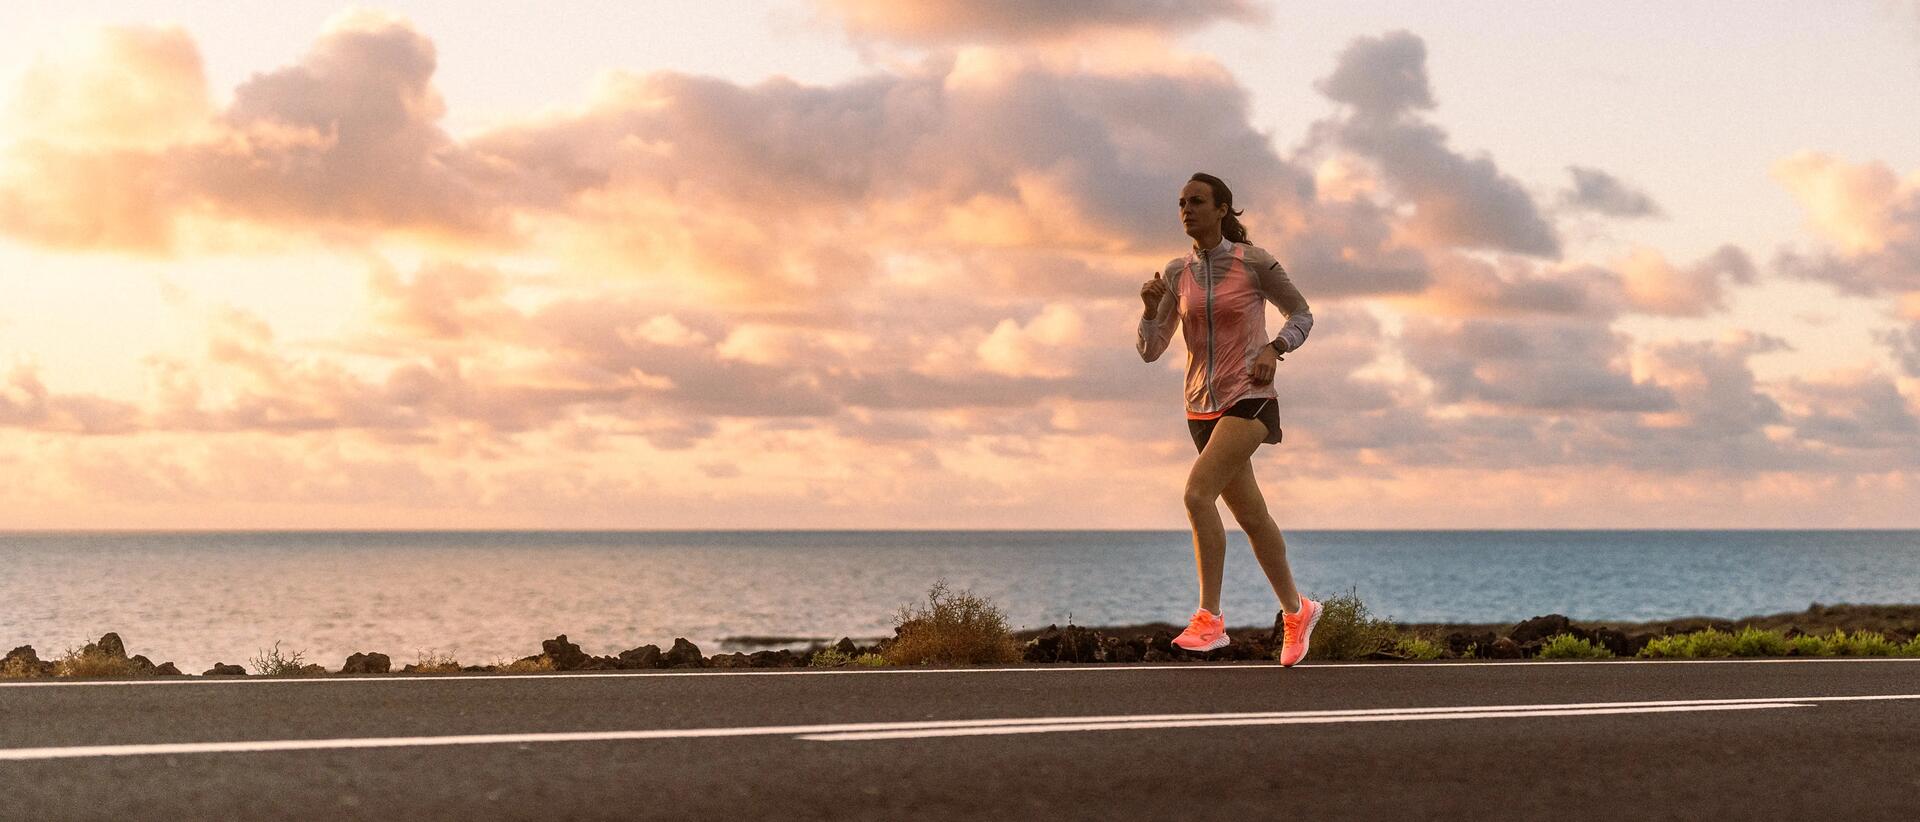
{"x":1157,"y":331}
{"x":1278,"y":288}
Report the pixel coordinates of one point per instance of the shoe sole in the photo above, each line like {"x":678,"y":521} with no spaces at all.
{"x":1218,"y":643}
{"x":1306,"y":637}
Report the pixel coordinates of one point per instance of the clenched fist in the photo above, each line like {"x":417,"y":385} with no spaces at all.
{"x":1152,"y":291}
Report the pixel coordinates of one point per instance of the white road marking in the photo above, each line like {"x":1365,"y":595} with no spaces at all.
{"x":1057,"y":668}
{"x":1277,"y":720}
{"x":952,"y":727}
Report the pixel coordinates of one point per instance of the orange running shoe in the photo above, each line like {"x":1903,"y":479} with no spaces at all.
{"x":1299,"y":626}
{"x":1205,"y":631}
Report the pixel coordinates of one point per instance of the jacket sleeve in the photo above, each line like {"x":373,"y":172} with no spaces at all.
{"x":1157,"y":331}
{"x":1278,"y":288}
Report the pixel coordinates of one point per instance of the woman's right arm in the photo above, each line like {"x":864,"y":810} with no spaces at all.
{"x":1158,"y":317}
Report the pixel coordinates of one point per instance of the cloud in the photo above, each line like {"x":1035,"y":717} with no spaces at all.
{"x":1654,"y":286}
{"x":1541,"y":364}
{"x":1904,"y":344}
{"x":1458,"y":201}
{"x":950,"y":21}
{"x":1869,"y":215}
{"x":1602,"y":193}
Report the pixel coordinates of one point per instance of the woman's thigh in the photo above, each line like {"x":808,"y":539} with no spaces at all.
{"x":1228,"y":449}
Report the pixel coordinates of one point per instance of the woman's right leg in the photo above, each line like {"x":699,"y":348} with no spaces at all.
{"x":1249,"y":508}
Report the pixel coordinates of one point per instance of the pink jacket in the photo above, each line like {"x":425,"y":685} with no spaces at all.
{"x":1219,"y":298}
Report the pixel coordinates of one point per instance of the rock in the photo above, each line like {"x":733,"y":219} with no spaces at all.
{"x":167,"y":669}
{"x":1162,"y":641}
{"x":566,"y":655}
{"x":846,"y":646}
{"x":645,"y":656}
{"x":1502,"y":648}
{"x":220,"y":669}
{"x":1614,"y":641}
{"x":313,"y":669}
{"x":473,"y":669}
{"x":22,"y":661}
{"x":733,"y":660}
{"x":1539,"y":628}
{"x":1045,"y":647}
{"x":685,"y":654}
{"x":1155,"y":655}
{"x":770,"y":659}
{"x":365,"y":663}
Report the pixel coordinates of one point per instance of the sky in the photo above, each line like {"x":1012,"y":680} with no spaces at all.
{"x":862,"y":264}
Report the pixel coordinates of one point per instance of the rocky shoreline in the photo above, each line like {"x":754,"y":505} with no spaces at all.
{"x":1053,"y":644}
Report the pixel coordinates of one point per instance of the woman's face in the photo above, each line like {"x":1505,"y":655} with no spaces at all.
{"x":1198,"y":213}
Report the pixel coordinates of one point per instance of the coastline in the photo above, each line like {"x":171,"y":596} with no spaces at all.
{"x":1147,"y":642}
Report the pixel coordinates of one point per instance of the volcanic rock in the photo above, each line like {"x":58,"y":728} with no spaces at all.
{"x":645,"y":656}
{"x":1539,"y":628}
{"x":566,"y":656}
{"x":366,"y":663}
{"x":685,"y":654}
{"x":220,"y":669}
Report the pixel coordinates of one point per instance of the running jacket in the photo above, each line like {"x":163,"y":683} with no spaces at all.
{"x":1219,"y":298}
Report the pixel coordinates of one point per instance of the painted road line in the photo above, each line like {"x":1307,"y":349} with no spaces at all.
{"x":1287,"y":720}
{"x":1059,"y":668}
{"x":807,"y":731}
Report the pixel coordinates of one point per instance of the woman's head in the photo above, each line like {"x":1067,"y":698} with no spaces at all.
{"x":1206,"y":205}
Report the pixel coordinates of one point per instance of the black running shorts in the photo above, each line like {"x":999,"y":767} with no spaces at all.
{"x":1263,"y":409}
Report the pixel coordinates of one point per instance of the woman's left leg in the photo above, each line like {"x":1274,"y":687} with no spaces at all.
{"x":1228,"y":449}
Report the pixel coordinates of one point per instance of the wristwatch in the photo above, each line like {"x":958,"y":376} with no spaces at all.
{"x":1275,"y":345}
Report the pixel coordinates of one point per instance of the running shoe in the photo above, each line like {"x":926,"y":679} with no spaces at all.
{"x":1299,"y":626}
{"x":1205,"y":631}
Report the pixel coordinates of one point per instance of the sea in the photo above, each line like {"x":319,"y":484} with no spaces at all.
{"x":484,"y":597}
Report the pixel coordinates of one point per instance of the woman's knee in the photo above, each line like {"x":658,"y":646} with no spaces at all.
{"x":1199,"y":499}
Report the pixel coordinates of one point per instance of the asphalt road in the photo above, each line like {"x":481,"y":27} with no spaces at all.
{"x":1793,"y":739}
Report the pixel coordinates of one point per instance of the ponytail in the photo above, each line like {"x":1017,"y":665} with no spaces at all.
{"x":1230,"y":226}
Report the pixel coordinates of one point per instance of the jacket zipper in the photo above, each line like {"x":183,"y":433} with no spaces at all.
{"x":1206,"y":258}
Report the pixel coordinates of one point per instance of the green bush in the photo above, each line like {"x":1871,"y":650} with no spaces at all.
{"x":1753,"y":641}
{"x":1865,"y":643}
{"x":1414,"y":647}
{"x":1706,"y":643}
{"x":828,"y":658}
{"x":1347,"y":630}
{"x":1808,"y":645}
{"x":870,"y":661}
{"x":1568,"y":646}
{"x":1912,"y":648}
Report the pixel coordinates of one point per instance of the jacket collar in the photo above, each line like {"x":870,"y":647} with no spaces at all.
{"x":1224,"y":246}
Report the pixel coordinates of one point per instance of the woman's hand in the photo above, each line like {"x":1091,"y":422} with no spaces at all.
{"x":1152,"y":291}
{"x":1263,"y":365}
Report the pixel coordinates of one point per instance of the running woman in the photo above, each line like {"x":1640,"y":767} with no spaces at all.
{"x":1217,"y":293}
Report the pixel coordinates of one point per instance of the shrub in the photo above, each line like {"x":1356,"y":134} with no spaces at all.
{"x":17,"y":669}
{"x":271,"y":663}
{"x":1753,"y":641}
{"x":78,"y":663}
{"x":1413,"y":647}
{"x":828,"y":658}
{"x":952,"y":629}
{"x":1808,"y":645}
{"x":524,"y":666}
{"x":870,"y":661}
{"x":1864,"y":643}
{"x":1912,"y":648}
{"x":1347,"y":630}
{"x":1568,"y":646}
{"x":1706,"y":643}
{"x":433,"y":662}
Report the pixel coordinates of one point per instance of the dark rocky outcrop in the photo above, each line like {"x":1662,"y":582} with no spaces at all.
{"x":685,"y":654}
{"x":566,"y":656}
{"x":1502,"y":648}
{"x":1540,"y":628}
{"x":167,"y":669}
{"x":23,"y":661}
{"x":367,"y":663}
{"x":222,"y":669}
{"x":645,"y":656}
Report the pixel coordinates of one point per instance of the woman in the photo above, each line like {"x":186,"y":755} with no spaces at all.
{"x":1217,"y":293}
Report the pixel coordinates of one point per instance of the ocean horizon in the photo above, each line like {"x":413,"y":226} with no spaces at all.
{"x":200,"y":596}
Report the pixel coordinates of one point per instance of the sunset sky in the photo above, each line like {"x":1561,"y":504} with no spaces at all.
{"x":868,"y":264}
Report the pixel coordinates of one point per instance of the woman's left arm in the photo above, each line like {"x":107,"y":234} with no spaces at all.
{"x":1278,"y":288}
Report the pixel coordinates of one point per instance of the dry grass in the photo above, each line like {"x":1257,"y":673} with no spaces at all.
{"x":431,"y":661}
{"x":951,"y":629}
{"x":76,"y":663}
{"x":524,"y":666}
{"x":272,"y":663}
